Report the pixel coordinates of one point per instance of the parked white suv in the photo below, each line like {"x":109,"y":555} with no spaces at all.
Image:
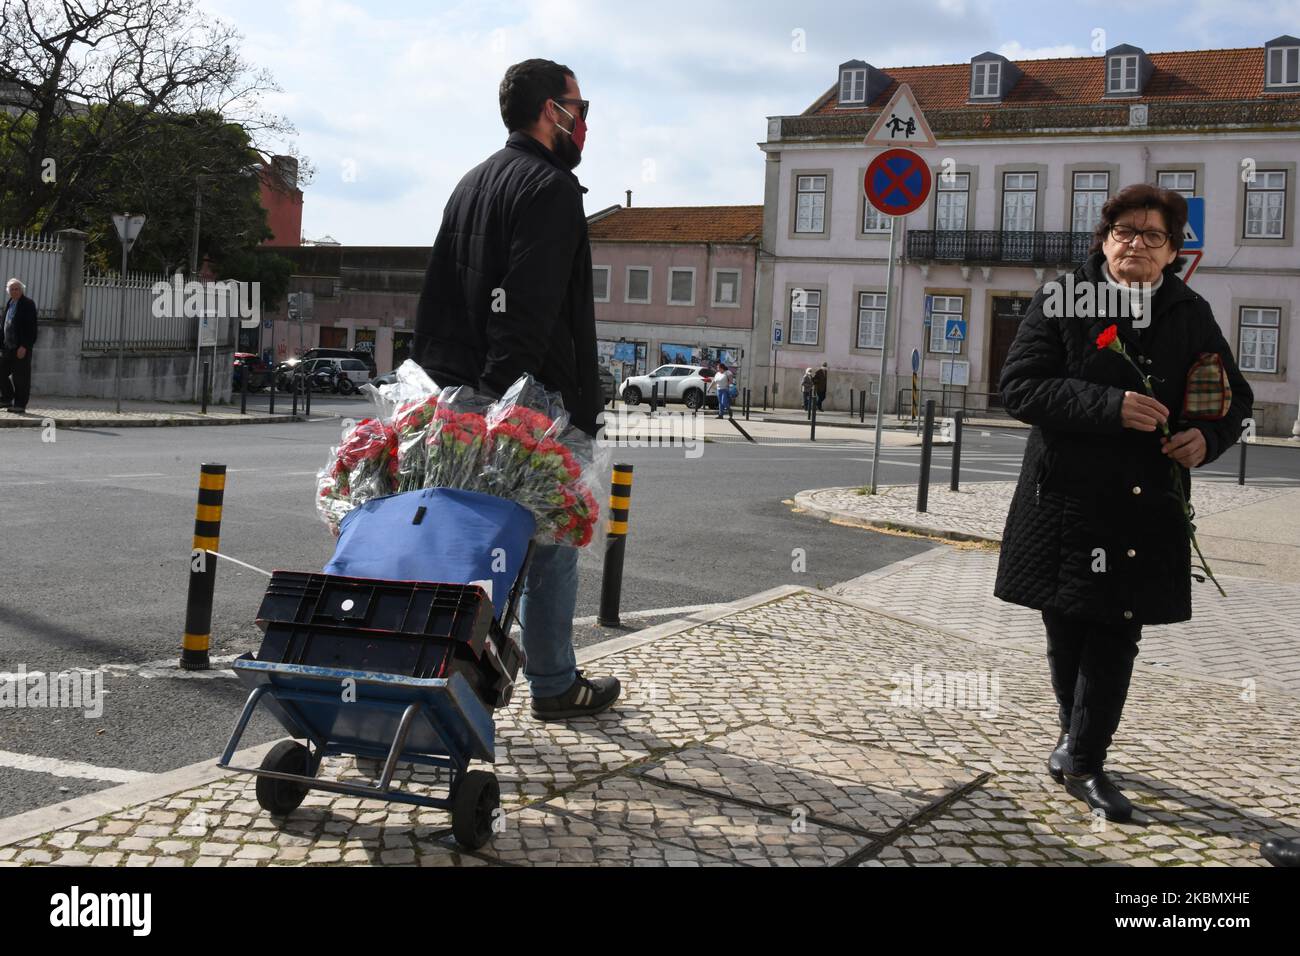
{"x":677,"y":383}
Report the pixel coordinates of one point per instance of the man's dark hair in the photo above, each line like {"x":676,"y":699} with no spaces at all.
{"x":1171,"y":205}
{"x":526,"y":88}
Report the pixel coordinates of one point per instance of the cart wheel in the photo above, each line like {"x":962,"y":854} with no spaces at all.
{"x":473,"y":807}
{"x":280,"y":797}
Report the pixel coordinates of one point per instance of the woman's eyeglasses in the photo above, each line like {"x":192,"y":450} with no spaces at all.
{"x":1151,"y":238}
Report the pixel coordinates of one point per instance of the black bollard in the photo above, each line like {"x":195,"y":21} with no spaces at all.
{"x":243,"y":390}
{"x":307,"y":401}
{"x":295,"y":401}
{"x":764,"y":398}
{"x":273,"y":388}
{"x":1241,"y":469}
{"x":654,"y":398}
{"x":203,"y":569}
{"x":862,"y":411}
{"x":204,"y":396}
{"x":812,"y":417}
{"x":611,"y":586}
{"x":958,"y":421}
{"x":927,"y":452}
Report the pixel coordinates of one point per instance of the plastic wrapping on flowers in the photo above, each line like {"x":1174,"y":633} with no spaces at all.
{"x":520,"y":447}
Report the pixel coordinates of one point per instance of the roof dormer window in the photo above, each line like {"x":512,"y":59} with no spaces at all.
{"x":985,"y":79}
{"x":1123,"y":74}
{"x":853,"y":87}
{"x":1282,"y":59}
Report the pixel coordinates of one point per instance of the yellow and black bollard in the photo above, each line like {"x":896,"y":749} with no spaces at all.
{"x":620,"y":506}
{"x":203,"y":568}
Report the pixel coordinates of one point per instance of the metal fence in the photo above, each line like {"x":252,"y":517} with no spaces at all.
{"x":35,"y":260}
{"x":141,"y":330}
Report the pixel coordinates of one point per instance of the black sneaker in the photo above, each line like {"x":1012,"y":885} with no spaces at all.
{"x":585,"y":698}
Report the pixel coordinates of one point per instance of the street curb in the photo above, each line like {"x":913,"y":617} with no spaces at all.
{"x":803,"y":502}
{"x":59,"y":816}
{"x":146,"y":423}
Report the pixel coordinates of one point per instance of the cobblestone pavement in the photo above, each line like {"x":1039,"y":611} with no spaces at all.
{"x":979,"y":511}
{"x":806,"y":731}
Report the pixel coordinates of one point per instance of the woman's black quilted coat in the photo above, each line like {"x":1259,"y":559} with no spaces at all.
{"x":1094,"y":528}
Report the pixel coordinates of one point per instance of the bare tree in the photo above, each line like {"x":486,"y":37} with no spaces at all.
{"x":81,"y":82}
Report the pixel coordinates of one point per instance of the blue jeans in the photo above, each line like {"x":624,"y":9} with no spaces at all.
{"x":546,"y":609}
{"x":724,"y":402}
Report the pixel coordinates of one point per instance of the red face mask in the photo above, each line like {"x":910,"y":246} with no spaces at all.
{"x":579,"y":133}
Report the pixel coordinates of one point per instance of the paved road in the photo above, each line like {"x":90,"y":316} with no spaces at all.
{"x":96,"y":540}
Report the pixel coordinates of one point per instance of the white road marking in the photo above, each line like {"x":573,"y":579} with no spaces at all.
{"x":940,"y":466}
{"x":70,"y":769}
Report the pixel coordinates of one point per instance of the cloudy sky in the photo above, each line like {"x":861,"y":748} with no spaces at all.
{"x":394,"y":100}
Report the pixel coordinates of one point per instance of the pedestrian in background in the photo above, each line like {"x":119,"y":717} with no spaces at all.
{"x":807,"y":386}
{"x":819,"y":385}
{"x":16,"y":354}
{"x":722,"y":385}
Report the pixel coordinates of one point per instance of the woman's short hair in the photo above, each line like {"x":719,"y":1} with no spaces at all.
{"x":1171,"y":205}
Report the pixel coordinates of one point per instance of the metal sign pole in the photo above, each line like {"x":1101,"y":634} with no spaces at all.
{"x":121,"y":328}
{"x":884,"y":351}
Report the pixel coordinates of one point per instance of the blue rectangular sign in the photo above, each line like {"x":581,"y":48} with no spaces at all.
{"x":955,"y":331}
{"x":1194,"y":235}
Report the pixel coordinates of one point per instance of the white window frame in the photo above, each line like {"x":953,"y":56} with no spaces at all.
{"x":799,"y":193}
{"x":1262,"y":187}
{"x":809,"y":306}
{"x":1248,"y":359}
{"x":649,"y":285}
{"x":939,"y":315}
{"x":1125,"y":85}
{"x":960,"y":185}
{"x":1282,"y":60}
{"x":857,"y":84}
{"x":672,"y":271}
{"x":608,"y":276}
{"x":1020,"y":189}
{"x":986,"y":79}
{"x":1186,"y":192}
{"x":1091,"y":190}
{"x":870,"y":212}
{"x":877,"y":306}
{"x":713,"y":289}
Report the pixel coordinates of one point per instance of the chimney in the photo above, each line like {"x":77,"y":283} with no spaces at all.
{"x":287,"y":167}
{"x":629,"y":199}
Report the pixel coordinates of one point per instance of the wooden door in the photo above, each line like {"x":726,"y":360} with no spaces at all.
{"x":1007,"y":313}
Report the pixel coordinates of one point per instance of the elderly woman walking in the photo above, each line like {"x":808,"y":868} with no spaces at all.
{"x":1129,"y":383}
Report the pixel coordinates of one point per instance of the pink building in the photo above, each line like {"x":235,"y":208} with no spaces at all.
{"x":675,"y":284}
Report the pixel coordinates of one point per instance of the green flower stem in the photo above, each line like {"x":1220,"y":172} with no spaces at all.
{"x":1177,"y":474}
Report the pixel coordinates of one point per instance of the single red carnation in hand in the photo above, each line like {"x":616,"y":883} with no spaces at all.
{"x":1107,"y":338}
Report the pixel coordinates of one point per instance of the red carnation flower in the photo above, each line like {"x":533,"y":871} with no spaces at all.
{"x":1107,"y":338}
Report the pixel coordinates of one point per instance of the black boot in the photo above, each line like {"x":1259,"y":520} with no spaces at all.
{"x":1099,"y":793}
{"x":1281,"y":852}
{"x":1057,"y":761}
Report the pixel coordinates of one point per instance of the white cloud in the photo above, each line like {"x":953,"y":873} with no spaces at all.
{"x":1014,"y":50}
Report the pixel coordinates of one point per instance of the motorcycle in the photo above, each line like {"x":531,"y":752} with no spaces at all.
{"x":325,"y":378}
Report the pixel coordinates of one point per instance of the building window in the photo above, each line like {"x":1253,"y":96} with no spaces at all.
{"x":1258,"y":339}
{"x":600,"y":283}
{"x":805,"y":316}
{"x":726,"y":288}
{"x":681,"y":286}
{"x":1180,"y":181}
{"x":871,"y":320}
{"x":1090,"y":193}
{"x":873,"y":220}
{"x":952,"y":200}
{"x":853,"y":86}
{"x":1019,"y":212}
{"x":985,"y":78}
{"x":1283,"y":66}
{"x":945,"y":307}
{"x":638,"y":285}
{"x":811,"y":205}
{"x":1266,"y":205}
{"x":1123,"y":74}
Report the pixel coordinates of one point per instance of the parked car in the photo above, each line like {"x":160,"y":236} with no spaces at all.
{"x":607,"y":384}
{"x":259,"y":373}
{"x":367,"y":357}
{"x":688,"y":384}
{"x":388,"y":378}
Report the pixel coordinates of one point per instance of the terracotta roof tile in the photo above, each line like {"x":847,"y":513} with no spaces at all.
{"x":680,"y":224}
{"x":1197,"y":75}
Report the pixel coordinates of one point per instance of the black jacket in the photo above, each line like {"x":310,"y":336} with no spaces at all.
{"x":1093,"y":494}
{"x":508,"y":290}
{"x":24,"y":322}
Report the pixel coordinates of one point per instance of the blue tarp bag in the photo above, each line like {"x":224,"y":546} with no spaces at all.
{"x":438,"y":535}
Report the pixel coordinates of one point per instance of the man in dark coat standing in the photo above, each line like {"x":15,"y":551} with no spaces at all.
{"x":16,"y":348}
{"x":1096,"y":539}
{"x":509,"y":292}
{"x":820,"y":384}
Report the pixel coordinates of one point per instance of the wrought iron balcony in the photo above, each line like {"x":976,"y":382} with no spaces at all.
{"x":993,"y":247}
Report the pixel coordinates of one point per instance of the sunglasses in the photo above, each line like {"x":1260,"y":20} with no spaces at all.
{"x":583,"y":105}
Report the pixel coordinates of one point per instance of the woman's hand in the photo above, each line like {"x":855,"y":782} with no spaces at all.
{"x":1142,"y":412}
{"x":1187,"y":448}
